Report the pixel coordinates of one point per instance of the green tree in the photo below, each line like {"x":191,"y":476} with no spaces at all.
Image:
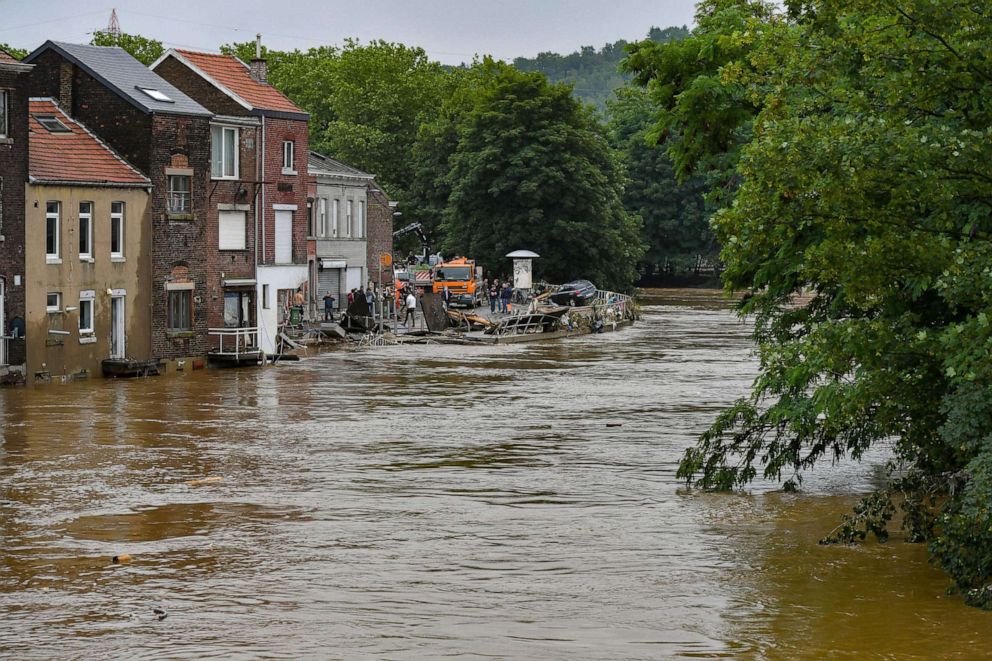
{"x":143,"y":49}
{"x":867,"y":185}
{"x":533,"y":169}
{"x":676,"y":222}
{"x":16,"y":53}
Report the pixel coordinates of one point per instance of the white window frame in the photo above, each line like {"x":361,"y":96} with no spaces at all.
{"x":322,"y":229}
{"x":362,"y":226}
{"x":265,"y":297}
{"x":335,"y":217}
{"x":222,"y":132}
{"x":58,"y":302}
{"x":56,"y":217}
{"x":86,"y":233}
{"x":171,"y":191}
{"x":86,"y":303}
{"x":350,"y":219}
{"x":185,"y":297}
{"x":243,"y":234}
{"x":117,"y":210}
{"x":288,"y":157}
{"x":4,"y":113}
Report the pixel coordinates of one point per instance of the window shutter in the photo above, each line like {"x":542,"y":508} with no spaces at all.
{"x":232,"y":230}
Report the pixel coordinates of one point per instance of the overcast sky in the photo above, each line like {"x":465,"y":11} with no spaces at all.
{"x":451,"y":31}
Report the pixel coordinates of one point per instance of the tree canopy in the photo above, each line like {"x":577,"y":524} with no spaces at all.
{"x":865,"y":185}
{"x":533,"y":169}
{"x":143,"y":49}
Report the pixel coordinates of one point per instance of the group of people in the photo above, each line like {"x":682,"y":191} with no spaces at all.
{"x":499,"y":295}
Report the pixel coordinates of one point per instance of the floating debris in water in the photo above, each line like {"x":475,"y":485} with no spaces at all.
{"x":205,"y":480}
{"x":121,"y":559}
{"x":161,"y":613}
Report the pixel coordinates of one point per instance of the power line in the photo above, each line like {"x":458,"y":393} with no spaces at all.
{"x":52,"y":20}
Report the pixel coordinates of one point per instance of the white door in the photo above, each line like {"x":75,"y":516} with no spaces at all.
{"x":284,"y":237}
{"x":3,"y":324}
{"x":117,"y":339}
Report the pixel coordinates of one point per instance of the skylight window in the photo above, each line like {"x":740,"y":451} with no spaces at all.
{"x":155,"y":94}
{"x":52,"y":123}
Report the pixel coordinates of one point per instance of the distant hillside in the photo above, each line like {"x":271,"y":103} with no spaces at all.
{"x":593,"y":72}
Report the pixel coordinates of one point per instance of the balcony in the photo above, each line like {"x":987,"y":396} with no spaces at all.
{"x":235,"y":346}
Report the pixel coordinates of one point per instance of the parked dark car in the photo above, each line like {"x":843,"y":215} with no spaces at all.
{"x":576,"y":292}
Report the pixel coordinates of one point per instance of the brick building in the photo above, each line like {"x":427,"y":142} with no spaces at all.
{"x":87,"y":251}
{"x":13,"y":176}
{"x":166,"y":135}
{"x":379,"y":235}
{"x":279,"y":180}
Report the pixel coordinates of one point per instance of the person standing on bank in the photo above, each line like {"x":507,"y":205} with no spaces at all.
{"x":504,"y":297}
{"x":328,"y":306}
{"x":411,"y":309}
{"x":494,"y":295}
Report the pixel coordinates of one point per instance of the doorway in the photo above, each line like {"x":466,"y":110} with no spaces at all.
{"x":117,"y":328}
{"x":3,"y":323}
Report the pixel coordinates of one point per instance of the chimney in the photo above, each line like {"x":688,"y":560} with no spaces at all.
{"x":259,"y":67}
{"x":65,"y":86}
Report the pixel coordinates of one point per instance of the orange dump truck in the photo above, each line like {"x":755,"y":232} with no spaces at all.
{"x":459,"y":277}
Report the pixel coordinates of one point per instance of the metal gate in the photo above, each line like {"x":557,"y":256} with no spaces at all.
{"x":329,"y":280}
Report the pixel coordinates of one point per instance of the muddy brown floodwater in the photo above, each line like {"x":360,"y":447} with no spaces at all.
{"x":429,"y":501}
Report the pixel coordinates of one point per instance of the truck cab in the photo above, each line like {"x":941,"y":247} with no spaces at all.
{"x":459,"y":276}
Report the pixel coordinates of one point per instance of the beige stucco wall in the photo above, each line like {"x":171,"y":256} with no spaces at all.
{"x":73,"y":354}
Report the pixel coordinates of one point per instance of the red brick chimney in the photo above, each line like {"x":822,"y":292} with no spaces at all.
{"x":259,"y":67}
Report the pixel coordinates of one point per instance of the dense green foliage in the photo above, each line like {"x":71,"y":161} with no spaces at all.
{"x":865,"y":182}
{"x":366,"y":102}
{"x":143,"y":49}
{"x":532,"y":169}
{"x":676,"y":230}
{"x":16,"y":53}
{"x":593,"y":74}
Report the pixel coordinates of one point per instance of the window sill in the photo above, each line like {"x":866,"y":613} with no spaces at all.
{"x":87,"y":339}
{"x":234,"y":178}
{"x":174,"y":334}
{"x":54,"y":311}
{"x":53,"y":260}
{"x":86,"y":259}
{"x":179,"y":216}
{"x":117,"y":259}
{"x":4,"y":140}
{"x":290,"y":171}
{"x":232,"y":249}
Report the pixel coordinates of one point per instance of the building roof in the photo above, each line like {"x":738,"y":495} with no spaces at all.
{"x":126,"y":76}
{"x":325,"y":165}
{"x":10,"y":63}
{"x":8,"y":58}
{"x":233,"y":77}
{"x":72,"y":154}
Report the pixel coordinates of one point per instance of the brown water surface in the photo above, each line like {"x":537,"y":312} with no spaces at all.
{"x":426,"y":501}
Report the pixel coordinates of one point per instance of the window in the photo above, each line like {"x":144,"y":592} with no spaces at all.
{"x":362,"y":227}
{"x":52,"y":213}
{"x":265,"y":297}
{"x":86,"y":230}
{"x":232,"y":230}
{"x":53,"y":302}
{"x":288,"y":157}
{"x":52,"y":123}
{"x":322,"y":216}
{"x":155,"y":94}
{"x":348,"y":220}
{"x":223,"y":152}
{"x":179,"y":193}
{"x":180,"y":310}
{"x":311,"y":230}
{"x":335,"y":212}
{"x":3,"y":113}
{"x":116,"y":230}
{"x":85,"y":316}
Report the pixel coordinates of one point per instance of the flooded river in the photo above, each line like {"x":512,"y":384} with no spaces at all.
{"x":429,"y":501}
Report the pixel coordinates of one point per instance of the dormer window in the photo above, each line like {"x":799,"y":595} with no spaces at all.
{"x":52,"y":124}
{"x":155,"y":94}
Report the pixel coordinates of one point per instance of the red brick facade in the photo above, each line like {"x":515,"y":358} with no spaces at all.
{"x":380,"y":232}
{"x":13,"y":176}
{"x":285,"y":188}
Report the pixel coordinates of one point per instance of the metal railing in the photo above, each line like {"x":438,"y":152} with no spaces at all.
{"x":236,"y":341}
